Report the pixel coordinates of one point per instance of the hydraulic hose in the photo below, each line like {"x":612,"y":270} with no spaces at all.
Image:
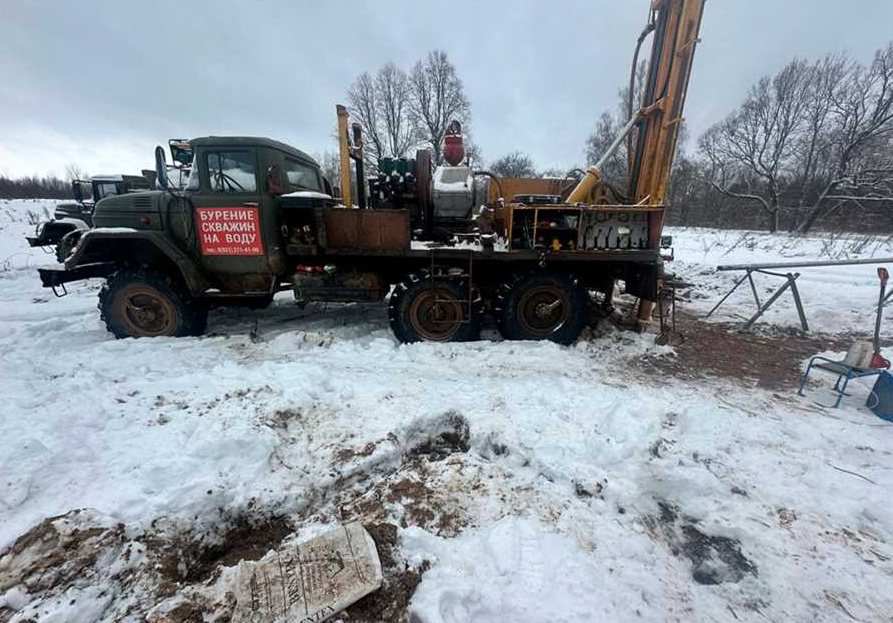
{"x":649,"y":28}
{"x":492,"y":177}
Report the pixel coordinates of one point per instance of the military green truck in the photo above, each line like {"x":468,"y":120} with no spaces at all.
{"x":77,"y":215}
{"x":257,"y":217}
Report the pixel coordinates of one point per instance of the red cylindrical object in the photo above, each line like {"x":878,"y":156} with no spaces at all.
{"x":453,"y":150}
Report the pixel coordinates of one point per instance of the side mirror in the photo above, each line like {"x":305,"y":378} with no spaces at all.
{"x":181,"y":151}
{"x":161,"y":180}
{"x":77,"y":191}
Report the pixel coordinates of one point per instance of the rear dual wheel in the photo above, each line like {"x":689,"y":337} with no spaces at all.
{"x":435,"y":310}
{"x":542,"y":306}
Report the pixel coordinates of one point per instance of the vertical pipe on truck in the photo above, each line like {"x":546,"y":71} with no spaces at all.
{"x":361,"y":170}
{"x":344,"y":151}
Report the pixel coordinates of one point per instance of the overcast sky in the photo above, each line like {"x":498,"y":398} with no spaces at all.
{"x":101,"y":83}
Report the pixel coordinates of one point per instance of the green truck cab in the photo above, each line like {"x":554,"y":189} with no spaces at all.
{"x":169,"y":255}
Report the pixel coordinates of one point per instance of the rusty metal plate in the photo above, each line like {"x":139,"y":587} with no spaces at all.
{"x":383,"y":231}
{"x":511,"y":186}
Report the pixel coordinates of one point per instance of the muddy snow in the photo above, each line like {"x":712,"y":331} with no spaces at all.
{"x":502,"y":481}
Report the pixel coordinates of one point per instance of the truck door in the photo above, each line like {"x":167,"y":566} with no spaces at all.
{"x":229,"y":213}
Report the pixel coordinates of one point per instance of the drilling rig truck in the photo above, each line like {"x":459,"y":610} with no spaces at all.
{"x":444,"y":244}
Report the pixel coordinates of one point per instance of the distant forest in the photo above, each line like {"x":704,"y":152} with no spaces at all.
{"x":34,"y":187}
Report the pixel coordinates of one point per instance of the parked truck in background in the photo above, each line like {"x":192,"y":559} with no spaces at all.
{"x":77,"y":215}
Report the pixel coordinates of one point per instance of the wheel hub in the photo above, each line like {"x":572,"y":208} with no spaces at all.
{"x":436,"y":315}
{"x":543,"y":310}
{"x":146,"y":312}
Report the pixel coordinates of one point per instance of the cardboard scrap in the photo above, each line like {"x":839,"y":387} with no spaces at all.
{"x":311,"y":581}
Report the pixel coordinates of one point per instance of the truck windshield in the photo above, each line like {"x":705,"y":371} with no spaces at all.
{"x":105,"y":189}
{"x":302,"y":176}
{"x":231,"y":171}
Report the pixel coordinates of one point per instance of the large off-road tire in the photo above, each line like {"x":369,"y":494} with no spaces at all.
{"x":436,"y":311}
{"x":142,"y":303}
{"x":541,"y":306}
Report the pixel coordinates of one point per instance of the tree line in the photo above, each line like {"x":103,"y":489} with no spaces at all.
{"x":34,"y":187}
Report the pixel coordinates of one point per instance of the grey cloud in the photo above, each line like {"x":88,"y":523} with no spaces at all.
{"x":100,"y":83}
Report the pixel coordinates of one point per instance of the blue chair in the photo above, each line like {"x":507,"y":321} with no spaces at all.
{"x":851,"y":367}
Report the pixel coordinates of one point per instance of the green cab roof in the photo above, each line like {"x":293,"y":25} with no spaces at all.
{"x":249,"y":141}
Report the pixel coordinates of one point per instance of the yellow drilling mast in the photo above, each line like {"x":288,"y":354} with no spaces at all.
{"x":653,"y":130}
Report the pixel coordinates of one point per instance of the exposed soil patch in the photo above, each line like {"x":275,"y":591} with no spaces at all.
{"x":420,"y":493}
{"x":346,"y":454}
{"x":714,"y":559}
{"x":193,"y":558}
{"x":57,"y":553}
{"x":438,"y":437}
{"x":769,"y":358}
{"x":390,"y":603}
{"x":61,"y":556}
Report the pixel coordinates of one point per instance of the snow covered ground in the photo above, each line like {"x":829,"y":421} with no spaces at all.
{"x":531,"y":482}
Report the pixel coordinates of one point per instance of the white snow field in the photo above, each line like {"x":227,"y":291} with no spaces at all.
{"x":530,"y":482}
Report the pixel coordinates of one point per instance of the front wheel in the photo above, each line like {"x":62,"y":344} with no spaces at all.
{"x":438,"y":310}
{"x":140,"y":303}
{"x":542,"y":306}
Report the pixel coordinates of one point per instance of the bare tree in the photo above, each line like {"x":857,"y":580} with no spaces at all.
{"x":381,"y":104}
{"x":515,"y":164}
{"x":860,"y":139}
{"x":392,"y":89}
{"x":815,"y":138}
{"x":437,"y":97}
{"x":74,"y":172}
{"x":753,"y":151}
{"x":362,"y":97}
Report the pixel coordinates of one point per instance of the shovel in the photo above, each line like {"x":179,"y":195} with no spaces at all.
{"x":877,"y":361}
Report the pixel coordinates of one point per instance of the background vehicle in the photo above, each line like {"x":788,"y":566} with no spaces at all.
{"x":77,"y":215}
{"x":257,"y":217}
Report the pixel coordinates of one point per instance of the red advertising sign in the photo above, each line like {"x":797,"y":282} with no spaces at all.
{"x":229,"y":231}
